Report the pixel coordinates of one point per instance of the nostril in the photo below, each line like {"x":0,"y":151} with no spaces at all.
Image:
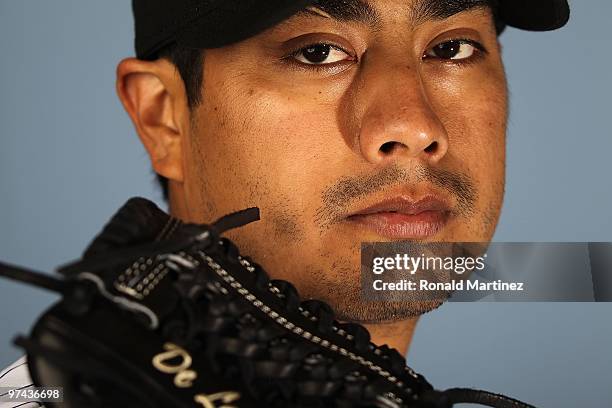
{"x":387,"y":147}
{"x":431,"y":148}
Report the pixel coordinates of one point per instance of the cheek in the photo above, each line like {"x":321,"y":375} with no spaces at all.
{"x":257,"y":146}
{"x":474,"y":115}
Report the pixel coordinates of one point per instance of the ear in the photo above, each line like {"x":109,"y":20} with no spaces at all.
{"x":154,"y":96}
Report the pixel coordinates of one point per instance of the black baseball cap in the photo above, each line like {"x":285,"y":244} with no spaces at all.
{"x":215,"y":23}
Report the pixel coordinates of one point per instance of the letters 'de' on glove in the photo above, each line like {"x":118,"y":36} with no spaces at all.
{"x":159,"y":313}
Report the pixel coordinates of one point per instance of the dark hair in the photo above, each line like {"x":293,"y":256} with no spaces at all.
{"x":189,"y":63}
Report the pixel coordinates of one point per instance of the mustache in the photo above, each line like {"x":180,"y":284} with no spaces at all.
{"x":337,"y":199}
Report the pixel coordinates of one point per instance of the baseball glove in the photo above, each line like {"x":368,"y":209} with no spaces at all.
{"x":160,"y":313}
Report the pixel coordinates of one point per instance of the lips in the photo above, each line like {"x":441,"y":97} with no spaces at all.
{"x":404,"y":218}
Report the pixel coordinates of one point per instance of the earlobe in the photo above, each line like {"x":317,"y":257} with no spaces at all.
{"x":154,"y":102}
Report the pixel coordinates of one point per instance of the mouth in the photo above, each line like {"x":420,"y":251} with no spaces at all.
{"x":402,"y":217}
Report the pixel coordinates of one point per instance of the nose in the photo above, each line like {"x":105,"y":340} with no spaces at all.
{"x":399,"y":122}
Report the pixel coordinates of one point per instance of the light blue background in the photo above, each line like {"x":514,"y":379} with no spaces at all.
{"x":69,"y":158}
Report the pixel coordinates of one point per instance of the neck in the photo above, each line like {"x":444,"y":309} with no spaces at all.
{"x":397,"y":335}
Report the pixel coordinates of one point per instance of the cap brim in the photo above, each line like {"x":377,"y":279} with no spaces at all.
{"x":234,"y":21}
{"x":535,"y":15}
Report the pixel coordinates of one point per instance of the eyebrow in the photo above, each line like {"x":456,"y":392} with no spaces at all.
{"x":425,"y":10}
{"x":346,"y":10}
{"x":420,"y":10}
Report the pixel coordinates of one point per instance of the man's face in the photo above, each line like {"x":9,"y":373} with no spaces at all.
{"x":351,"y":123}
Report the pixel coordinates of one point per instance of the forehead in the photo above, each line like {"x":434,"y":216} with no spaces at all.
{"x":371,"y":11}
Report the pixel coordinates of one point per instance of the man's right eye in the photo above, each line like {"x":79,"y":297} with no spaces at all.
{"x":321,"y":54}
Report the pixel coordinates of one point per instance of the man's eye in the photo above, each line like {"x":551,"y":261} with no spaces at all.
{"x":320,"y":54}
{"x":454,"y":50}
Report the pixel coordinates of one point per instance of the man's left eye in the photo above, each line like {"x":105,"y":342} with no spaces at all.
{"x":320,"y":54}
{"x":453,"y":50}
